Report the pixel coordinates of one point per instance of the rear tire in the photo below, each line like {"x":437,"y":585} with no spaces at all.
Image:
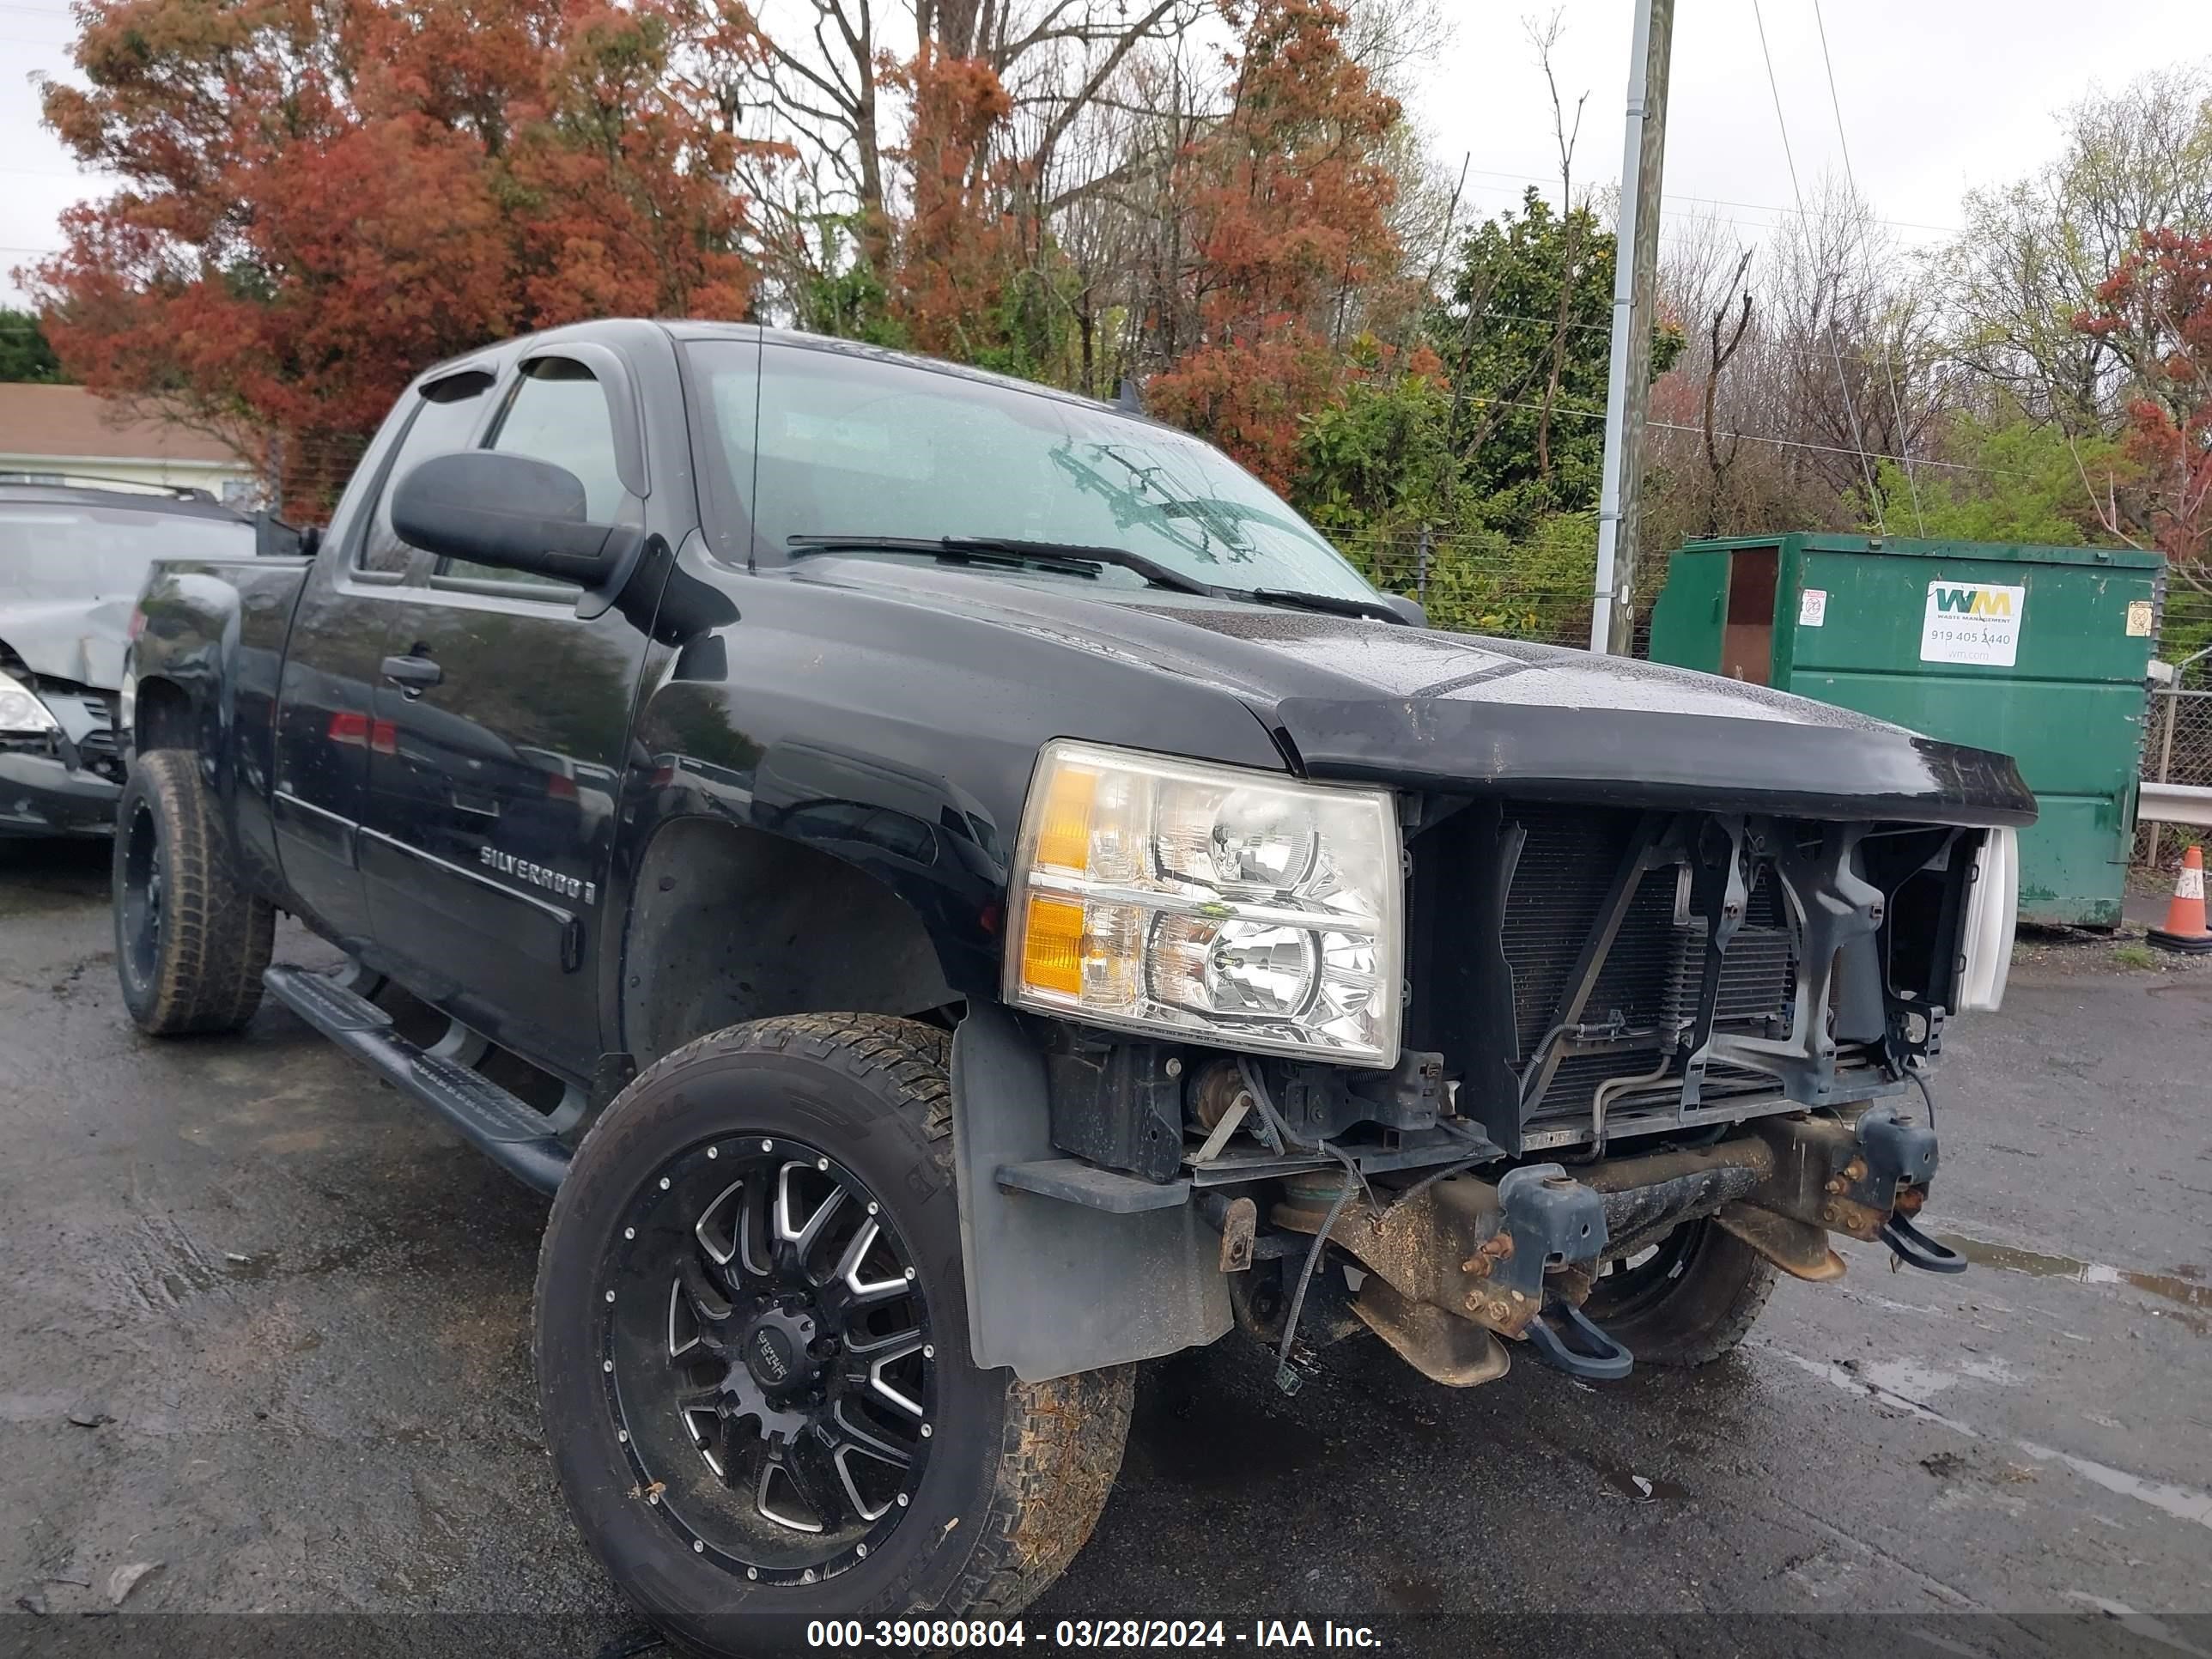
{"x":191,"y":942}
{"x":733,"y":1498}
{"x":1693,"y":1298}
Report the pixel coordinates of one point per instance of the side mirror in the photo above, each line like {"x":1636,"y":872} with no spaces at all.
{"x":275,"y":539}
{"x":1408,"y":611}
{"x":511,"y":512}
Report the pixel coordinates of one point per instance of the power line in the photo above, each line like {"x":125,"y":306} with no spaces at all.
{"x":1866,"y":267}
{"x":1843,"y":384}
{"x":1718,"y":201}
{"x":1671,"y":195}
{"x":1681,"y":215}
{"x":1776,"y":346}
{"x":1748,"y":437}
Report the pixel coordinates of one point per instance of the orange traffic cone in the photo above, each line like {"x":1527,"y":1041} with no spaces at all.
{"x":2184,"y":928}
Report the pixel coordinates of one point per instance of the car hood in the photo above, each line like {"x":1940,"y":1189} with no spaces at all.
{"x":81,"y":640}
{"x":1358,"y":700}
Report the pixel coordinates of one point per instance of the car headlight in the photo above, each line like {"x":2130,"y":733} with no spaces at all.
{"x":21,"y":711}
{"x":1232,"y":907}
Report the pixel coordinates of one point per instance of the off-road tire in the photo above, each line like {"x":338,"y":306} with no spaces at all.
{"x":1018,"y":1473}
{"x":1699,"y":1299}
{"x":195,"y":963}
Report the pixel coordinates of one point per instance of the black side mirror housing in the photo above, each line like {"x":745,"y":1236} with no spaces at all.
{"x":1408,"y":611}
{"x":512,"y":512}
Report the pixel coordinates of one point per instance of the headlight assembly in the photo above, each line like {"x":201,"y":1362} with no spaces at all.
{"x":1227,"y":906}
{"x":21,"y":711}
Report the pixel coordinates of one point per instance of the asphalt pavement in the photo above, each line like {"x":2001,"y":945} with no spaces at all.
{"x":264,"y":1332}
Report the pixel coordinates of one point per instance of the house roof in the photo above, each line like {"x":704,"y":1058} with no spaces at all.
{"x":69,"y":421}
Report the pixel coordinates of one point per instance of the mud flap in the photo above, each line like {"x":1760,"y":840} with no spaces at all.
{"x":1054,"y":1288}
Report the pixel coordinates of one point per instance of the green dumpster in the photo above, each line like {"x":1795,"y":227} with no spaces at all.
{"x":2039,"y":652}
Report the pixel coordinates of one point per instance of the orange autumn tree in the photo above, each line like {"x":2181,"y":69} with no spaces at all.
{"x":2155,"y":310}
{"x":1290,"y":194}
{"x":315,"y":201}
{"x":972,"y":277}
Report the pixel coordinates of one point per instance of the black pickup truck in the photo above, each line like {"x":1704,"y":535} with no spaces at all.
{"x":955,"y":890}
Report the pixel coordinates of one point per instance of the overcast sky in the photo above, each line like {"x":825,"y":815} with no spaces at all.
{"x":1935,"y":95}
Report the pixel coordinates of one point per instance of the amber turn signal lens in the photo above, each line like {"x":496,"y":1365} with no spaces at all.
{"x":1063,"y":840}
{"x":1052,"y":946}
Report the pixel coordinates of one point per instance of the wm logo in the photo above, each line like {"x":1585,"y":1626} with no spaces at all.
{"x":1973,"y":602}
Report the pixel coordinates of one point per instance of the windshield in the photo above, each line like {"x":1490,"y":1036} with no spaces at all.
{"x":55,"y":551}
{"x":856,"y":446}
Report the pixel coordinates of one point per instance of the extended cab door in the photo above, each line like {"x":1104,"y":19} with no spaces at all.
{"x":325,"y":719}
{"x":492,"y":802}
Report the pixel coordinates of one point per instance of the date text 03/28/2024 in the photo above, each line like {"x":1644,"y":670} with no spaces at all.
{"x":939,"y":1635}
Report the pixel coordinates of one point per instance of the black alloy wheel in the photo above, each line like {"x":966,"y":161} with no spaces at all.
{"x":191,"y":939}
{"x":768,"y":1359}
{"x":754,"y":1356}
{"x":1631,"y":1285}
{"x":1685,"y":1300}
{"x":139,"y":891}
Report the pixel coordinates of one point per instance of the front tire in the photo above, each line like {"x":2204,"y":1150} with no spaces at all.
{"x":753,"y":1355}
{"x":191,"y":942}
{"x":1687,"y":1300}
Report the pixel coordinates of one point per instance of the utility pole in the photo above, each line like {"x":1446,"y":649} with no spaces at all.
{"x":1635,"y":299}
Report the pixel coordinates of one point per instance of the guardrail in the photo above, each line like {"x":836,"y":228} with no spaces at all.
{"x":2175,"y":802}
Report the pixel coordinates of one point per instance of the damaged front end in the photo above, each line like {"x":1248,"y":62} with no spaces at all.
{"x":1658,"y":1018}
{"x":60,"y":771}
{"x":1449,"y":1269}
{"x":1593,"y":973}
{"x":1653,"y":1032}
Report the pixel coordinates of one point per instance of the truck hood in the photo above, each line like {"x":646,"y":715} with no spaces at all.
{"x":1355,"y":700}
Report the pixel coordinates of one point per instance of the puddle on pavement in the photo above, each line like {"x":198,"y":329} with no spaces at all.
{"x":1918,"y":1380}
{"x":2184,"y":1286}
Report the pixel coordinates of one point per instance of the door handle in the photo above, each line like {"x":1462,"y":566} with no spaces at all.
{"x":412,"y":675}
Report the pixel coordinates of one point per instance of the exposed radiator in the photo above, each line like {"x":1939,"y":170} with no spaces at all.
{"x":1652,"y":976}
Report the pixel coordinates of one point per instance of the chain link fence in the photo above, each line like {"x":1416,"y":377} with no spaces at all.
{"x":2179,"y":750}
{"x":2176,"y":749}
{"x":1476,"y":583}
{"x":311,"y":472}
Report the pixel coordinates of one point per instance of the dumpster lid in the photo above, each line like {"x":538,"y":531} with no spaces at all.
{"x":2102,"y":558}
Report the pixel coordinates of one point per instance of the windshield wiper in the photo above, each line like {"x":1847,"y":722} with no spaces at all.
{"x":1085,"y":559}
{"x":1075,"y":553}
{"x":1067,"y":558}
{"x":1336,"y":605}
{"x":954,"y":548}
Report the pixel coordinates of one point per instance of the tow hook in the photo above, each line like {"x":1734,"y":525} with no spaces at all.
{"x":1901,"y":1157}
{"x":1566,"y":1339}
{"x":1555,"y":1221}
{"x":1916,"y":1249}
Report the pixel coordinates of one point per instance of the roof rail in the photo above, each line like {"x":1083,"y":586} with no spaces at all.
{"x":42,"y":479}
